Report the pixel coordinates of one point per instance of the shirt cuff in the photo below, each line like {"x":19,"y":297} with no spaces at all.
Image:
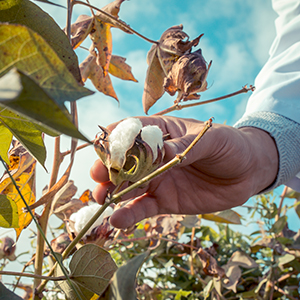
{"x":286,"y":134}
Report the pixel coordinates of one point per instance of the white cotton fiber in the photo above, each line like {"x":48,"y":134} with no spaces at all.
{"x":121,"y":138}
{"x":83,"y":215}
{"x":153,"y":136}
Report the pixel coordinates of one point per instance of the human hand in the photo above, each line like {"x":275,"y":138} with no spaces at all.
{"x":224,"y":169}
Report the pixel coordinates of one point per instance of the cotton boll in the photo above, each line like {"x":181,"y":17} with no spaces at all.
{"x":121,"y":139}
{"x":153,"y":136}
{"x":83,"y":215}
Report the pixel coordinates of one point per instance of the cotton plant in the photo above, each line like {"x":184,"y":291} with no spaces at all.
{"x":130,"y":151}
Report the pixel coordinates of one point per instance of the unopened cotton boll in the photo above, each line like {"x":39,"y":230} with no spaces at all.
{"x":83,"y":215}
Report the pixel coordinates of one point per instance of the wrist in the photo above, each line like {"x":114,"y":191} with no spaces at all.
{"x":264,"y":159}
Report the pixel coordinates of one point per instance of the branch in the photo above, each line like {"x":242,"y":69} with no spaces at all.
{"x":282,"y":196}
{"x":178,"y":106}
{"x":21,"y":274}
{"x":117,"y":20}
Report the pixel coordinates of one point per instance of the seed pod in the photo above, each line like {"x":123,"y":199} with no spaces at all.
{"x":188,"y":76}
{"x":7,"y":248}
{"x":130,"y":151}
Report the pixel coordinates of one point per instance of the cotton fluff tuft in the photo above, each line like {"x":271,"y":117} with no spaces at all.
{"x":121,"y":138}
{"x":153,"y":136}
{"x":83,"y":215}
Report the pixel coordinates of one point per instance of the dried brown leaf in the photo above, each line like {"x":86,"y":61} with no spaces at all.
{"x":209,"y":264}
{"x":120,"y":69}
{"x":90,"y":69}
{"x":153,"y":87}
{"x":81,"y":29}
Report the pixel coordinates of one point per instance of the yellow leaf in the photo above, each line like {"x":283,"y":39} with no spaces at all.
{"x":227,"y":216}
{"x":120,"y":69}
{"x":24,"y":175}
{"x":102,"y":41}
{"x":86,"y":196}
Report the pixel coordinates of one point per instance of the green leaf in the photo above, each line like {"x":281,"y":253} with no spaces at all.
{"x":8,"y":213}
{"x":92,"y":268}
{"x":37,"y":106}
{"x":279,"y":225}
{"x":5,"y":141}
{"x":6,"y":293}
{"x":25,"y":132}
{"x":123,"y":282}
{"x":297,"y":208}
{"x":26,"y":13}
{"x":22,"y":48}
{"x":67,"y":289}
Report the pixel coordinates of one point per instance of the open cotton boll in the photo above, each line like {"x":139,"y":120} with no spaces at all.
{"x":83,"y":215}
{"x":121,"y":139}
{"x":153,"y":136}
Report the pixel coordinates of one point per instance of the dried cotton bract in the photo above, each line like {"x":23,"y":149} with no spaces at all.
{"x":130,"y":151}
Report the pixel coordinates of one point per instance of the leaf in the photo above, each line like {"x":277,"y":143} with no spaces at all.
{"x":8,"y":212}
{"x":123,"y":282}
{"x":102,"y":41}
{"x":23,"y":171}
{"x":92,"y":267}
{"x":6,"y":293}
{"x":297,"y":208}
{"x":243,"y":260}
{"x":120,"y":69}
{"x":227,"y":216}
{"x":5,"y":141}
{"x":67,"y":289}
{"x":279,"y":224}
{"x":26,"y":133}
{"x":233,"y":273}
{"x":26,"y":13}
{"x":191,"y":221}
{"x":209,"y":264}
{"x":153,"y":87}
{"x":22,"y":48}
{"x":90,"y":69}
{"x":81,"y":29}
{"x":37,"y":106}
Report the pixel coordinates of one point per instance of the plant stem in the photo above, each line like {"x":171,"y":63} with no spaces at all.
{"x":282,"y":196}
{"x":116,"y":20}
{"x":43,"y":221}
{"x":116,"y":198}
{"x":22,"y":274}
{"x":178,"y":106}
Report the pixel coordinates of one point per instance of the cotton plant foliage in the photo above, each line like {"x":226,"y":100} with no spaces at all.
{"x":130,"y":151}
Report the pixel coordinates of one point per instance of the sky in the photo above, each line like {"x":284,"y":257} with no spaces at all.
{"x":237,"y":38}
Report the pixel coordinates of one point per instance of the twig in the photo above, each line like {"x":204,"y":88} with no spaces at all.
{"x":22,"y":274}
{"x":282,"y":196}
{"x":188,"y":272}
{"x":78,"y":148}
{"x":192,"y":242}
{"x":178,"y":106}
{"x":116,"y":20}
{"x":116,"y":198}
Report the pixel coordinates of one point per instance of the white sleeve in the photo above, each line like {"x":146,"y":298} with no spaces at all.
{"x":275,"y":104}
{"x":278,"y":83}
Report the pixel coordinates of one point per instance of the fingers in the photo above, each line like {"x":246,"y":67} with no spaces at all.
{"x":138,"y":209}
{"x":99,"y":172}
